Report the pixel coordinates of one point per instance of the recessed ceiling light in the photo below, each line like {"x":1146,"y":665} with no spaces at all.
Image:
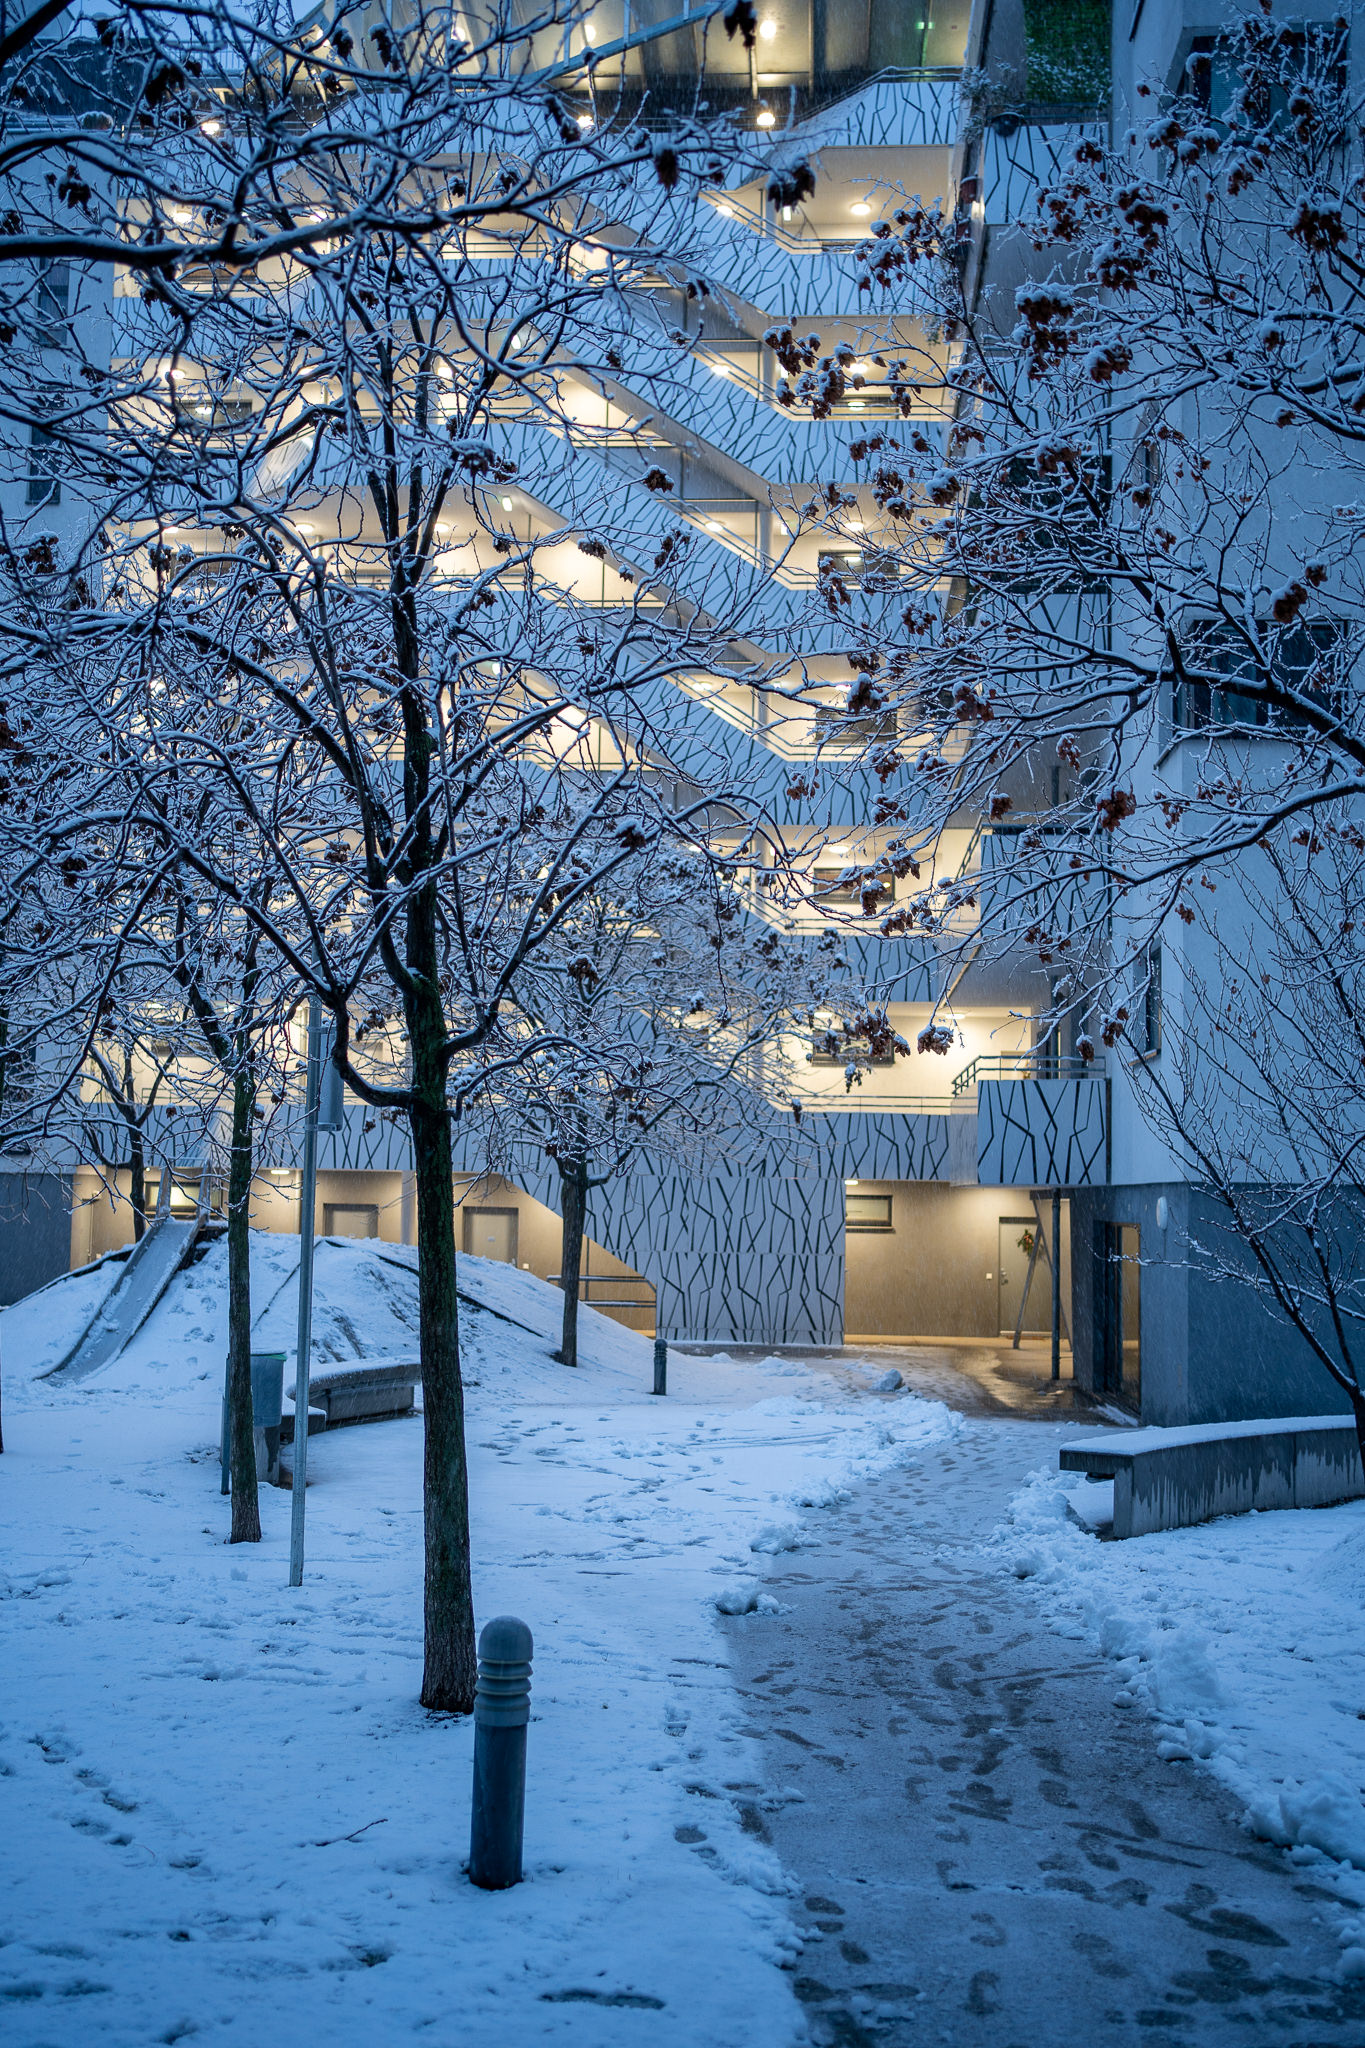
{"x":766,"y":118}
{"x":210,"y":127}
{"x":856,"y":405}
{"x":786,"y":213}
{"x":767,"y":28}
{"x":860,"y":206}
{"x":585,"y":122}
{"x":507,"y":504}
{"x":714,"y":526}
{"x":590,"y":31}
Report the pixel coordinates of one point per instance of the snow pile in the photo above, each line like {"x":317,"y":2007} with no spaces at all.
{"x":1266,"y":1689}
{"x":225,"y":1813}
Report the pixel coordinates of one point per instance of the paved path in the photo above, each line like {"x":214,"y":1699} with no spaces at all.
{"x":991,"y":1854}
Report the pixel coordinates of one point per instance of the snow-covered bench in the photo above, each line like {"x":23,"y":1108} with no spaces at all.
{"x":1171,"y":1478}
{"x":364,"y":1392}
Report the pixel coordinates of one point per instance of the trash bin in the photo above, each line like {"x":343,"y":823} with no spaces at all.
{"x":267,"y":1404}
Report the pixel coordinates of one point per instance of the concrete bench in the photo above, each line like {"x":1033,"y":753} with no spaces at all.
{"x":1172,"y":1478}
{"x":364,"y":1393}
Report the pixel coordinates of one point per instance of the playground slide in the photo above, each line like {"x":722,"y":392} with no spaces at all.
{"x":147,"y":1273}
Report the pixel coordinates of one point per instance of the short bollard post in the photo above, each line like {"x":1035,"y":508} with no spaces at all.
{"x":661,"y":1365}
{"x":502,"y":1708}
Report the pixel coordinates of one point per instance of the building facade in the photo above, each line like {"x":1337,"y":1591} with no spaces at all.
{"x":921,"y":1202}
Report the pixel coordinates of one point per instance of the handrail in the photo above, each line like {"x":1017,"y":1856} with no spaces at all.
{"x":1037,"y":1064}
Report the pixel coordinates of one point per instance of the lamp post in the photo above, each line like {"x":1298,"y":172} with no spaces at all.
{"x":323,"y":1109}
{"x":308,"y":1194}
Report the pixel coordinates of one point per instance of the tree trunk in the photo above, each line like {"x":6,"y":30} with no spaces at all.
{"x":1358,"y":1411}
{"x":137,"y":1162}
{"x":573,"y":1202}
{"x":4,"y":1041}
{"x":246,"y":1512}
{"x":450,"y":1662}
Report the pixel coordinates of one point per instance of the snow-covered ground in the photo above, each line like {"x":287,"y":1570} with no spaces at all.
{"x":223,"y":1815}
{"x":1244,"y":1639}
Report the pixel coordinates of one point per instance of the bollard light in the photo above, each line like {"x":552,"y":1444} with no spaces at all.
{"x":502,"y":1708}
{"x":661,"y":1365}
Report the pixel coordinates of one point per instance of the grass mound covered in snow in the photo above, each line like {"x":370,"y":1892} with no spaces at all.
{"x":365,"y":1306}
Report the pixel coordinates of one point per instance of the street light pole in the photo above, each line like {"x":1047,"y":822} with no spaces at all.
{"x":307,"y":1207}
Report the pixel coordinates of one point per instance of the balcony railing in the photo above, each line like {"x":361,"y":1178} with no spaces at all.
{"x":1037,"y":1064}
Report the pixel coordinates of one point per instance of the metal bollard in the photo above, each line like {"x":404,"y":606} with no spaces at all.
{"x":502,"y":1708}
{"x":661,"y":1365}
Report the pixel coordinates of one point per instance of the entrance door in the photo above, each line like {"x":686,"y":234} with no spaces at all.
{"x":1017,"y":1237}
{"x":1118,"y":1322}
{"x":491,"y":1234}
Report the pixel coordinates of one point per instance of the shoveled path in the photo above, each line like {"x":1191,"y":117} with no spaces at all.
{"x":990,"y":1852}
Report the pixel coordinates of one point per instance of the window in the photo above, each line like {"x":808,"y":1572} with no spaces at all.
{"x":838,"y":889}
{"x":20,"y":1080}
{"x":822,"y":1054}
{"x":875,"y":567}
{"x":43,"y":485}
{"x":1214,"y":82}
{"x":1301,"y":657}
{"x":835,"y":726}
{"x":1150,"y":1021}
{"x":350,"y":1219}
{"x":866,"y":1212}
{"x":53,"y":302}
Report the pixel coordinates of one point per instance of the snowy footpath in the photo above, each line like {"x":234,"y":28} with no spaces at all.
{"x":1244,"y":1640}
{"x":224,"y":1816}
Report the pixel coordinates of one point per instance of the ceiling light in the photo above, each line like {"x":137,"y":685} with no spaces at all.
{"x":718,"y":369}
{"x":786,"y":213}
{"x":855,"y":525}
{"x":210,"y":127}
{"x":766,"y":118}
{"x":857,"y":405}
{"x":590,"y":31}
{"x":507,"y":504}
{"x":714,"y":526}
{"x":767,"y":28}
{"x":860,"y":207}
{"x":585,"y":122}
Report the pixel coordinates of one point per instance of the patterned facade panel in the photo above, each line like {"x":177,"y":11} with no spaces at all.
{"x":753,"y":1257}
{"x":1031,"y":154}
{"x":888,"y":1146}
{"x":734,"y":1258}
{"x":1042,"y":1134}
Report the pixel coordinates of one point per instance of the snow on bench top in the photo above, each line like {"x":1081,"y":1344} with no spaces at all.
{"x":1132,"y":1443}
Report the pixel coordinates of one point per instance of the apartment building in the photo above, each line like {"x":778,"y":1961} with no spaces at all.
{"x":931,"y":1199}
{"x":919,"y":1201}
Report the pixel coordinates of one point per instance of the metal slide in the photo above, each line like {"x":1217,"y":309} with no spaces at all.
{"x":147,"y":1273}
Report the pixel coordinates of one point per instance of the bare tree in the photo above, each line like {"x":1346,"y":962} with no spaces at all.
{"x":321,"y":482}
{"x":645,"y":1028}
